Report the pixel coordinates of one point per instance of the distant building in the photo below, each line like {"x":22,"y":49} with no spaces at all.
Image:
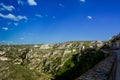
{"x":114,"y":42}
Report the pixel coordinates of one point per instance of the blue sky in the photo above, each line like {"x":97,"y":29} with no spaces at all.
{"x":52,"y":21}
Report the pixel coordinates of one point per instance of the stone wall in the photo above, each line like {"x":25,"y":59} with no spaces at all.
{"x":101,"y":71}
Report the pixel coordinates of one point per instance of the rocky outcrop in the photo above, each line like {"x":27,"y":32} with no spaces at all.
{"x":44,"y":62}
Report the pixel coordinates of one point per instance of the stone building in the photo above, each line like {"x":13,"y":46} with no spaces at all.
{"x":114,"y":42}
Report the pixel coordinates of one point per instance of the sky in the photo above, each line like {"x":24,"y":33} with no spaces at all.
{"x":53,"y":21}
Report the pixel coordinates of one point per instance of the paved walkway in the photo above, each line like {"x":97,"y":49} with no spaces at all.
{"x":117,"y":77}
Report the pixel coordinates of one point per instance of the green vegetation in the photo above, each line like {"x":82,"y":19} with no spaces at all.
{"x":73,"y":68}
{"x":64,"y":61}
{"x":19,"y":72}
{"x":16,"y":72}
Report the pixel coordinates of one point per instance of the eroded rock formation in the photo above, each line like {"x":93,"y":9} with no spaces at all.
{"x":45,"y":62}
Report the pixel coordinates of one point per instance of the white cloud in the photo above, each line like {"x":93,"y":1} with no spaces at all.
{"x":39,"y":15}
{"x":20,"y":2}
{"x":4,"y":7}
{"x":5,"y":28}
{"x":13,"y":17}
{"x":16,"y":24}
{"x":61,"y":5}
{"x":82,"y":0}
{"x":21,"y":17}
{"x":32,"y":2}
{"x":89,"y":17}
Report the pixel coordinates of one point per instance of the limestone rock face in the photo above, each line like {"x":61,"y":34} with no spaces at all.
{"x":42,"y":61}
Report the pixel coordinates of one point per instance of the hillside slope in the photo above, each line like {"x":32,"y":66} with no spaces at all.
{"x":48,"y":61}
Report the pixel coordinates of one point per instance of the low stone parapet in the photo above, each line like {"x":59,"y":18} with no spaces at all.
{"x":101,"y":71}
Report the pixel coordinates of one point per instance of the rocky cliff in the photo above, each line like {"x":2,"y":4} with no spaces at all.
{"x":48,"y":61}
